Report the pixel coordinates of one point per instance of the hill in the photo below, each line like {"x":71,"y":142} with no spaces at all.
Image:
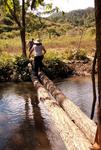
{"x":76,"y":17}
{"x":57,"y":24}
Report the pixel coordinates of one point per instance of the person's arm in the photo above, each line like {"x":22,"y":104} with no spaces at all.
{"x":32,"y":49}
{"x":44,"y":49}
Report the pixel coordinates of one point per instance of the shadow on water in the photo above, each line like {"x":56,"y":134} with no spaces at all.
{"x":26,"y":124}
{"x":30,"y":133}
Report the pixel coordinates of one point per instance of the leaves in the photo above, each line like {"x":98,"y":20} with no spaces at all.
{"x":48,"y":7}
{"x":8,"y":3}
{"x":36,"y":3}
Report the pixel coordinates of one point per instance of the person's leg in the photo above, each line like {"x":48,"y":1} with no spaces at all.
{"x":36,"y":65}
{"x":40,"y":63}
{"x":32,"y":62}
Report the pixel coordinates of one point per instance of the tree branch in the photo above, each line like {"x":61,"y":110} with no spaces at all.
{"x":13,"y":13}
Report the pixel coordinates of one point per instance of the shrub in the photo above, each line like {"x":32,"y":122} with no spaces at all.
{"x":13,"y":68}
{"x":21,"y":68}
{"x":6,"y":67}
{"x":55,"y":68}
{"x":80,"y":55}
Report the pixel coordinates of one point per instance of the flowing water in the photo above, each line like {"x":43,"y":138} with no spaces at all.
{"x":79,"y":90}
{"x":26,"y":125}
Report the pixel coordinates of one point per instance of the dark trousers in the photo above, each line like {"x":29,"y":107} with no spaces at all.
{"x":38,"y":64}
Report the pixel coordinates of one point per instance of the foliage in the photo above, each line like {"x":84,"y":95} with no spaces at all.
{"x":21,"y":69}
{"x":6,"y":59}
{"x":6,"y":66}
{"x":76,"y":17}
{"x":55,"y":68}
{"x":80,"y":55}
{"x":13,"y":68}
{"x":53,"y":26}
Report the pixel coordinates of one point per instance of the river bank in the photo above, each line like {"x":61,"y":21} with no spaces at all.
{"x":54,"y":69}
{"x":81,"y":67}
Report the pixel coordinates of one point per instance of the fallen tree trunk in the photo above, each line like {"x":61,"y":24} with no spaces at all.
{"x":72,"y":137}
{"x":87,"y":126}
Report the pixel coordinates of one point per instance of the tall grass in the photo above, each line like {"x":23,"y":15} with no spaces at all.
{"x":61,"y":46}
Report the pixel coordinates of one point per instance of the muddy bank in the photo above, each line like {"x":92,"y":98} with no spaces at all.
{"x":81,"y":67}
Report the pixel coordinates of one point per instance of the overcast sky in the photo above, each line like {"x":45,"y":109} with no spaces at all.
{"x":68,"y":5}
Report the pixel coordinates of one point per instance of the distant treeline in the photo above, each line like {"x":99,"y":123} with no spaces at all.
{"x":76,"y":17}
{"x":55,"y":25}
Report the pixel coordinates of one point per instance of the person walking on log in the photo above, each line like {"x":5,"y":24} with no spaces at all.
{"x":39,"y":52}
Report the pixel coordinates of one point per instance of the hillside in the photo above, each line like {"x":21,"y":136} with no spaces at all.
{"x":57,"y":24}
{"x":76,"y":17}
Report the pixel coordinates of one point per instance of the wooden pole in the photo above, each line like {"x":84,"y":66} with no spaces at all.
{"x":87,"y":126}
{"x":73,"y":138}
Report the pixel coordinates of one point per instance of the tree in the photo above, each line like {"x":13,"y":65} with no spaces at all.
{"x":18,"y":11}
{"x":97,"y":144}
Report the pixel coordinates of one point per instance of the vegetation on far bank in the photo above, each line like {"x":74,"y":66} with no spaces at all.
{"x":15,"y":68}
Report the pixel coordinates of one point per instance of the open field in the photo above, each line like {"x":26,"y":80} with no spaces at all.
{"x":58,"y":46}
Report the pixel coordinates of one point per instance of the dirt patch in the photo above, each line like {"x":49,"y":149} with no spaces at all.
{"x":80,"y":67}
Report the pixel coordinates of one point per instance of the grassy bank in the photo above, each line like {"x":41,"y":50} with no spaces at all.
{"x":10,"y":42}
{"x":59,"y":50}
{"x":15,"y":68}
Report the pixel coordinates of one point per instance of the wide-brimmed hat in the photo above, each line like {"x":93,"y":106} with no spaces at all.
{"x":37,"y":41}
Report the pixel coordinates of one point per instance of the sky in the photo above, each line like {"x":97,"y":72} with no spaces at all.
{"x":68,"y":5}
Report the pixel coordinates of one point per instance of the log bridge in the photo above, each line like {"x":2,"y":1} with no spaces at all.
{"x":76,"y":130}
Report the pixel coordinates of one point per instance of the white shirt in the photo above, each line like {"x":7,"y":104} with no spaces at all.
{"x":37,"y":50}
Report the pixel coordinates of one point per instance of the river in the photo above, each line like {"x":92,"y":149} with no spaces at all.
{"x":25,"y":124}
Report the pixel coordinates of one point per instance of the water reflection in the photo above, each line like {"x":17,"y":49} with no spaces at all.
{"x":79,"y":90}
{"x":25,"y":124}
{"x":18,"y":122}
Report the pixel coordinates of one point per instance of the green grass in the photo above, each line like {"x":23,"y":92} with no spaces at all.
{"x":61,"y":47}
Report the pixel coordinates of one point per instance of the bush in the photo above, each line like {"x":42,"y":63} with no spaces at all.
{"x":6,"y":67}
{"x":13,"y":68}
{"x":80,"y":55}
{"x":21,"y":68}
{"x":55,"y":68}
